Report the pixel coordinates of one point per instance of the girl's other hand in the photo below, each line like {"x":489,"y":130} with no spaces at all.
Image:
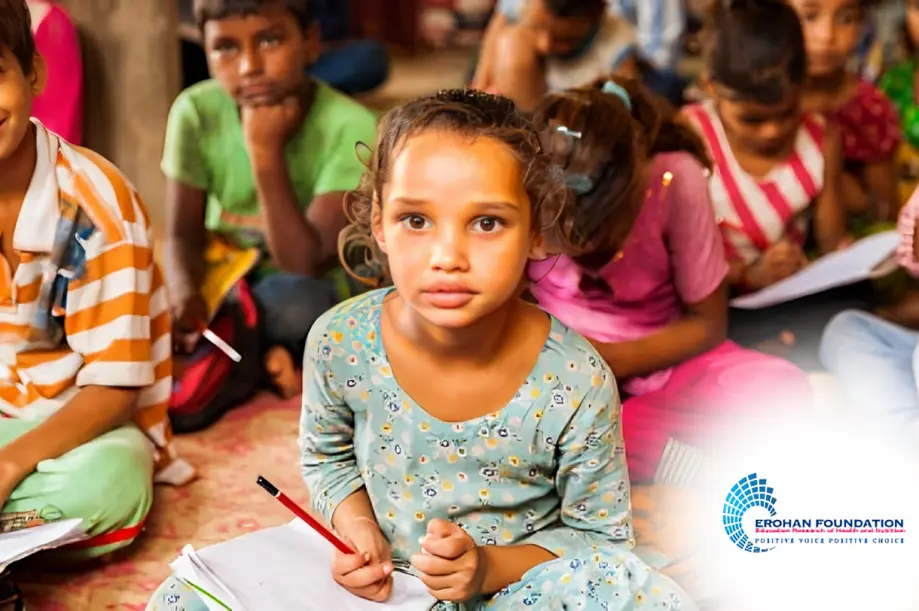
{"x":453,"y":567}
{"x":189,"y":316}
{"x":783,"y":259}
{"x":367,"y":573}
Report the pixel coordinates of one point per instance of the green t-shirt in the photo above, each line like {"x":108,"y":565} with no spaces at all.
{"x":205,"y":149}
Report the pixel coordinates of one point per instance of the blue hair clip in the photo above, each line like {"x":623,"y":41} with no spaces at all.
{"x":564,"y":130}
{"x":614,"y":88}
{"x":579,"y":183}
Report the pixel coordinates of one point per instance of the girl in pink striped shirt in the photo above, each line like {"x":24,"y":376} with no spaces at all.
{"x":777,"y":170}
{"x":777,"y":173}
{"x":650,"y":293}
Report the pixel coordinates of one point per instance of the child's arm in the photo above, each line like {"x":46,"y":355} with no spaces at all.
{"x":908,"y":250}
{"x":304,"y":244}
{"x":592,"y":479}
{"x":699,"y":268}
{"x":702,"y":326}
{"x":829,"y":215}
{"x":881,"y":180}
{"x":95,"y":410}
{"x":483,"y":77}
{"x":187,"y":183}
{"x":327,"y":459}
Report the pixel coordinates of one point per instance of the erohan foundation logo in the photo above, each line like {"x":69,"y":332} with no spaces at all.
{"x":753,"y":492}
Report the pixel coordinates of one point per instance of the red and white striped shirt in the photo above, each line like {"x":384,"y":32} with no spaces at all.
{"x":755,"y":213}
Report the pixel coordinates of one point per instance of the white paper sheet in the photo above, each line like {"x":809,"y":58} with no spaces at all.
{"x":286,"y":568}
{"x":19,"y":544}
{"x":854,"y":264}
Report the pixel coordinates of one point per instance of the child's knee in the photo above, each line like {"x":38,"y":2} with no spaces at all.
{"x":112,"y":486}
{"x":843,"y":330}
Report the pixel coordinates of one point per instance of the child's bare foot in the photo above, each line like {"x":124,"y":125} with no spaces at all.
{"x":280,"y":367}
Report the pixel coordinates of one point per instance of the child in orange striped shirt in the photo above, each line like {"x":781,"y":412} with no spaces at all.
{"x":85,"y":369}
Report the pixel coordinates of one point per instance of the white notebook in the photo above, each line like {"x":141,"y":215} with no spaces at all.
{"x":19,"y":544}
{"x":286,"y":568}
{"x":867,"y":258}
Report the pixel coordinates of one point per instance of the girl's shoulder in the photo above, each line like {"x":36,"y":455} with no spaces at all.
{"x":356,"y":320}
{"x":572,"y":360}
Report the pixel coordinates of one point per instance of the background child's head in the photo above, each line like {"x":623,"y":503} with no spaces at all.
{"x":832,"y":30}
{"x":603,"y":136}
{"x":756,"y":65}
{"x":259,"y":50}
{"x":563,"y":27}
{"x":457,"y":198}
{"x":21,"y":74}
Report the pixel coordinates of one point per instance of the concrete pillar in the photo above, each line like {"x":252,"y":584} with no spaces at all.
{"x":132,"y":75}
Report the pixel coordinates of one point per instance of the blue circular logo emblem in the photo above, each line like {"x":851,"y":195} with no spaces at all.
{"x":751,"y":491}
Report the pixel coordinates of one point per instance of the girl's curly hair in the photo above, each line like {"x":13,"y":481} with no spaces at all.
{"x":469,"y":113}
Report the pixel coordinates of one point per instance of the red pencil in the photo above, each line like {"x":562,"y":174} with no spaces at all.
{"x":297,"y":511}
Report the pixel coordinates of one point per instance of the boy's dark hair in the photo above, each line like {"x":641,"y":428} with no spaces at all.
{"x":603,"y":147}
{"x":16,"y":32}
{"x":209,"y":10}
{"x":756,"y":49}
{"x":575,"y":8}
{"x":472,"y":114}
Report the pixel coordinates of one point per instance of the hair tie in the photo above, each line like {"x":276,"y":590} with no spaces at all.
{"x":614,"y":88}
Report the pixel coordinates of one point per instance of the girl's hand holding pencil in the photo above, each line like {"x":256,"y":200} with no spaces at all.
{"x":368,"y":572}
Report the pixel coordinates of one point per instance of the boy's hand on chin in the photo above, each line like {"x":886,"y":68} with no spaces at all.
{"x":267,"y":129}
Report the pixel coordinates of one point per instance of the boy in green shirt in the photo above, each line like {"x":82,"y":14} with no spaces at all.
{"x":263,"y":155}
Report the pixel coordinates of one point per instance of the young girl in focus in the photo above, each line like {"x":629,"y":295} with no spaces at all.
{"x":777,"y":170}
{"x":867,"y":122}
{"x":447,"y":424}
{"x":656,"y":309}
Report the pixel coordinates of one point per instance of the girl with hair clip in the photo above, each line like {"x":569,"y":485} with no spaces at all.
{"x":656,"y":307}
{"x":775,"y":185}
{"x":867,"y":122}
{"x":450,"y":428}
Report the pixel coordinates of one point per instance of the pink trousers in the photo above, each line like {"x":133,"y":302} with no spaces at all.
{"x":724,"y":382}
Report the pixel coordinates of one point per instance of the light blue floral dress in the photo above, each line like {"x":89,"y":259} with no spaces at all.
{"x":548,"y":469}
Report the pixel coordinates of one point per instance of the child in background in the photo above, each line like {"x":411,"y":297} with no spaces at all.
{"x":656,"y":309}
{"x":777,"y":170}
{"x":60,"y":105}
{"x":867,"y":122}
{"x":900,"y":86}
{"x":535,"y":46}
{"x":448,"y":424}
{"x":263,"y":155}
{"x":85,"y":327}
{"x":875,"y":360}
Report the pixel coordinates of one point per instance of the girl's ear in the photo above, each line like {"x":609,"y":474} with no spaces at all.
{"x":39,"y":75}
{"x":376,"y":224}
{"x":538,"y":249}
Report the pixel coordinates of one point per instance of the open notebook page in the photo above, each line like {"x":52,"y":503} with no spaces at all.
{"x":286,"y":568}
{"x":858,"y":262}
{"x":19,"y":544}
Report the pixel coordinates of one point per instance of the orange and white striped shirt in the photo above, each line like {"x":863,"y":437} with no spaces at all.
{"x":115,"y":315}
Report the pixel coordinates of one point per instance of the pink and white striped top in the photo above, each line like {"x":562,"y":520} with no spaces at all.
{"x":755,"y":213}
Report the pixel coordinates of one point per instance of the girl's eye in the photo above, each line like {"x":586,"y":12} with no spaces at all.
{"x":487,"y":224}
{"x":416,"y":222}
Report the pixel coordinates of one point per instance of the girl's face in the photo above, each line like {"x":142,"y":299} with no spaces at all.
{"x":765,"y":130}
{"x":456,"y":226}
{"x":912,"y":22}
{"x":831,"y":31}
